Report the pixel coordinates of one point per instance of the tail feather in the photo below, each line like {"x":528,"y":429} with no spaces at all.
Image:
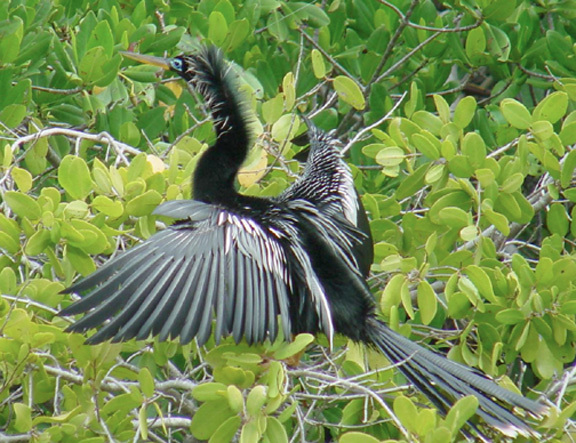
{"x":452,"y":380}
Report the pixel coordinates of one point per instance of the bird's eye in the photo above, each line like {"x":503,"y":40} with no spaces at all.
{"x":177,"y":64}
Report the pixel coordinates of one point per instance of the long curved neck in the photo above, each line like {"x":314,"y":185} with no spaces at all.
{"x":213,"y":180}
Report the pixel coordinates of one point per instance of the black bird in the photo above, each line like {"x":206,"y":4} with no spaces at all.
{"x":294,"y":262}
{"x":327,"y":182}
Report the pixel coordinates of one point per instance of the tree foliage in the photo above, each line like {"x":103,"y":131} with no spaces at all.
{"x":459,"y":123}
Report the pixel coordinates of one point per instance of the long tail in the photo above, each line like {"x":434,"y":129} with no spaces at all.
{"x":442,"y":380}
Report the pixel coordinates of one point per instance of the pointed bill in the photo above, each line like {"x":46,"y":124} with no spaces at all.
{"x":148,"y":59}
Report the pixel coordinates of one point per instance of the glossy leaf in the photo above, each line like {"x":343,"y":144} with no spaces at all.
{"x":516,"y":113}
{"x":552,"y":108}
{"x":427,"y":303}
{"x":74,"y":177}
{"x":349,"y":91}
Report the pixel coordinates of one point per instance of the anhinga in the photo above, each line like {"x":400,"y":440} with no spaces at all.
{"x":296,"y":261}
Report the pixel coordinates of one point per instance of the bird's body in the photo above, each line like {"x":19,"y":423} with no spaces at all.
{"x":295,"y":262}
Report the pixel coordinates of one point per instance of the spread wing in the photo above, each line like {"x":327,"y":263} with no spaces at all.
{"x":214,"y":263}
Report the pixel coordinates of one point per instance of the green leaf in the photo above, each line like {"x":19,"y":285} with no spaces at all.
{"x":108,"y":206}
{"x":464,"y":112}
{"x":235,"y":399}
{"x":239,"y":30}
{"x":9,"y":244}
{"x":406,"y":299}
{"x":102,"y":36}
{"x":289,"y":349}
{"x":11,"y":33}
{"x":289,"y":91}
{"x":406,"y":412}
{"x":256,"y":400}
{"x":390,"y":156}
{"x":315,"y":15}
{"x":435,"y":173}
{"x":485,"y":176}
{"x":93,"y":239}
{"x":209,"y":417}
{"x":510,"y":316}
{"x":461,"y":412}
{"x":76,"y":209}
{"x":217,"y":28}
{"x":475,"y":45}
{"x":412,"y":184}
{"x":142,"y":73}
{"x":457,"y":199}
{"x":547,"y":365}
{"x":481,"y":281}
{"x":426,"y":145}
{"x":427,"y":302}
{"x":146,"y":382}
{"x":23,"y":421}
{"x":427,"y":423}
{"x":275,"y":432}
{"x":372,"y":149}
{"x":454,"y":217}
{"x":22,"y":178}
{"x":251,"y":432}
{"x":272,"y":109}
{"x":474,"y":148}
{"x":318,"y":65}
{"x":143,"y":422}
{"x":552,"y":108}
{"x":209,"y":391}
{"x":23,"y":205}
{"x":499,"y":44}
{"x":471,"y":292}
{"x":391,"y":294}
{"x":516,"y":113}
{"x":568,"y":134}
{"x":357,"y":437}
{"x":429,"y":123}
{"x":557,"y":219}
{"x":12,"y":115}
{"x":74,"y":177}
{"x":512,"y":183}
{"x":79,"y":260}
{"x":277,"y":26}
{"x":499,"y":221}
{"x":90,"y":68}
{"x":568,"y":169}
{"x":499,"y":10}
{"x":542,"y":130}
{"x":144,"y":204}
{"x":227,"y":430}
{"x":442,"y":107}
{"x":38,"y":242}
{"x":349,"y":91}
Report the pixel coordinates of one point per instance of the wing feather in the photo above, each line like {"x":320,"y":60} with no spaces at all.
{"x":212,"y":263}
{"x":132,"y":322}
{"x":175,"y":321}
{"x":248,"y":301}
{"x":238,"y":327}
{"x":112,"y":328}
{"x":221,"y":296}
{"x":162,"y":309}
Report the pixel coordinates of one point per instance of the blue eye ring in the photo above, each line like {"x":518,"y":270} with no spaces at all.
{"x":177,"y":64}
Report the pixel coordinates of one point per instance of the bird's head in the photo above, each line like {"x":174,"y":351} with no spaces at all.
{"x":205,"y":70}
{"x":179,"y":65}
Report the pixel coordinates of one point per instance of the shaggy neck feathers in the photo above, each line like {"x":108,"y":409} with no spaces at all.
{"x":213,"y":180}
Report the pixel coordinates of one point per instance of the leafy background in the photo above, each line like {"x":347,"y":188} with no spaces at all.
{"x":458,"y":119}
